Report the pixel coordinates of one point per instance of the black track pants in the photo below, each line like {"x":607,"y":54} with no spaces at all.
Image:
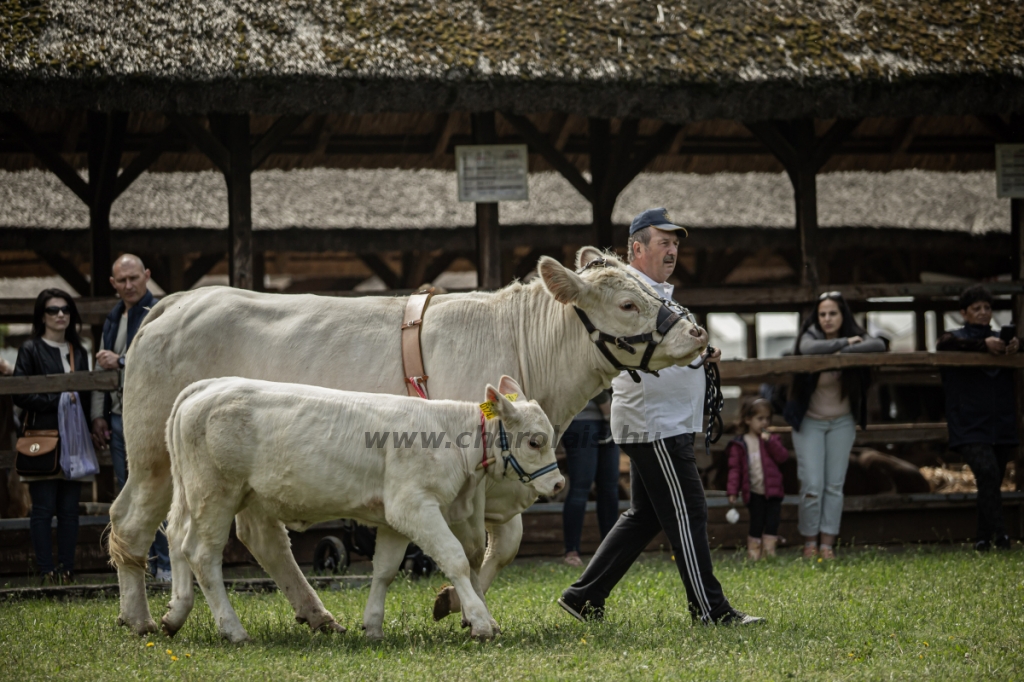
{"x":667,"y":494}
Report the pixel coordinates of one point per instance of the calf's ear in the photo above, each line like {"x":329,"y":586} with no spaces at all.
{"x":502,"y":405}
{"x":566,"y":286}
{"x":509,"y":385}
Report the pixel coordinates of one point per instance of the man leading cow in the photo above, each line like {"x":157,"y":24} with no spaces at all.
{"x":654,"y":423}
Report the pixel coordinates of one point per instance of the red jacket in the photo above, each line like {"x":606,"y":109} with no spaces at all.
{"x":773,"y":453}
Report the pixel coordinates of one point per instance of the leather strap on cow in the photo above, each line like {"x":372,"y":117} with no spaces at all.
{"x":412,"y":353}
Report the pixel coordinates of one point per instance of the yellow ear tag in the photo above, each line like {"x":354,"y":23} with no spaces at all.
{"x":511,"y":397}
{"x":488,"y":409}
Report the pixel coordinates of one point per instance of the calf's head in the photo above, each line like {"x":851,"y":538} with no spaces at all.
{"x":529,"y":437}
{"x":620,"y":304}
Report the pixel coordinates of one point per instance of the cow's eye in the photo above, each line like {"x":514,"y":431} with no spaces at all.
{"x":627,"y":306}
{"x":535,"y":444}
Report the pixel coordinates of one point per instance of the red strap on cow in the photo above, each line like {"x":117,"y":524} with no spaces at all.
{"x":483,"y":438}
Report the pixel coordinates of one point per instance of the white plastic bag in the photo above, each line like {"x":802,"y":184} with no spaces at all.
{"x":77,"y":456}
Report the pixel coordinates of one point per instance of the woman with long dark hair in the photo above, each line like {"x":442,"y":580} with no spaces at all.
{"x":55,"y":323}
{"x":823,"y":410}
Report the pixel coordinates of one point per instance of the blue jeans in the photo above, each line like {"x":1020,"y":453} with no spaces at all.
{"x":822,"y":457}
{"x":159,"y":554}
{"x":54,"y":498}
{"x":589,"y":461}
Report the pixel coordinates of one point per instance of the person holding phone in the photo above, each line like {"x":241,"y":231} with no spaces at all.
{"x":981,"y":409}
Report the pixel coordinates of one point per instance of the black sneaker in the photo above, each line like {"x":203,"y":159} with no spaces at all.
{"x":584,"y":613}
{"x":734,"y":617}
{"x":1004,"y":542}
{"x":982,"y":545}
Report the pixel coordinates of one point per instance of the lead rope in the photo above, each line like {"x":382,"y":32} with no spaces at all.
{"x":714,"y":401}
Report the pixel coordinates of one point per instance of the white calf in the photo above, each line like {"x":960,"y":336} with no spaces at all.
{"x":293,"y":455}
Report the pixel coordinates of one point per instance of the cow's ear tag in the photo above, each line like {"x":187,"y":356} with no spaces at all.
{"x":511,"y":397}
{"x":488,"y":409}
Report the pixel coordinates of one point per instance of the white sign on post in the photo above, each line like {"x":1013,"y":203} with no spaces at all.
{"x":492,"y":173}
{"x":1010,"y":171}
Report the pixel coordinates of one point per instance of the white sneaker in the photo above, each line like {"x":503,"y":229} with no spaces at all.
{"x":163,"y":575}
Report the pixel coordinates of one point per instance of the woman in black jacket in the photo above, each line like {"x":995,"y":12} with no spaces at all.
{"x":823,"y":410}
{"x":55,"y":323}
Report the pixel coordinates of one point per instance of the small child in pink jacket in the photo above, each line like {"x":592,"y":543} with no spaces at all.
{"x":754,"y":459}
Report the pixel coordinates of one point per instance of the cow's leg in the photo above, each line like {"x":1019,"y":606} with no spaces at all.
{"x":134,"y":517}
{"x":182,"y":591}
{"x":203,"y":545}
{"x":502,"y":547}
{"x":388,"y":553}
{"x":267,"y":539}
{"x":426,"y":526}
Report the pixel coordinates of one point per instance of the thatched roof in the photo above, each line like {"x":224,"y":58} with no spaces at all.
{"x":388,"y":199}
{"x":677,"y":61}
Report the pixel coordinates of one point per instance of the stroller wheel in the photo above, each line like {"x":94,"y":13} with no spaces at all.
{"x":330,"y":556}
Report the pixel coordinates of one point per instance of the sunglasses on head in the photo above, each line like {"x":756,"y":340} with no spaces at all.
{"x":830,"y":294}
{"x":53,"y":310}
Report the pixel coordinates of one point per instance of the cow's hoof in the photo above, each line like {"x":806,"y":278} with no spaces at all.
{"x":142,"y":629}
{"x":465,"y":623}
{"x":332,"y":626}
{"x":373,"y":635}
{"x":495,"y":627}
{"x":443,"y":606}
{"x":167,"y":628}
{"x":482,"y":634}
{"x":239,"y":638}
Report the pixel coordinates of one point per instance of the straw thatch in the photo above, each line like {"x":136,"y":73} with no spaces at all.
{"x":678,"y":61}
{"x":383,"y":199}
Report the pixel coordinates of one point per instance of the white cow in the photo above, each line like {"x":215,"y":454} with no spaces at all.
{"x":302,"y":454}
{"x":530,"y":332}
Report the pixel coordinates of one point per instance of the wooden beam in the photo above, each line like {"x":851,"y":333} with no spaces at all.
{"x":540,"y":144}
{"x":732,"y":370}
{"x":106,"y":138}
{"x":488,"y":237}
{"x":599,"y":130}
{"x":444,"y":128}
{"x":825,"y":147}
{"x":442,"y":262}
{"x":282,"y":128}
{"x":1000,"y":129}
{"x":239,"y":180}
{"x":320,"y":136}
{"x":621,"y":151}
{"x":906,"y":129}
{"x":772,"y":136}
{"x":677,"y":141}
{"x":144,"y":159}
{"x":198,"y":268}
{"x":654,"y":146}
{"x":51,"y":159}
{"x":68,"y":271}
{"x":58,"y":383}
{"x":205,"y":141}
{"x":391,"y":279}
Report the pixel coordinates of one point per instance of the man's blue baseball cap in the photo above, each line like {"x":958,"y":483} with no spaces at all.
{"x":654,"y":217}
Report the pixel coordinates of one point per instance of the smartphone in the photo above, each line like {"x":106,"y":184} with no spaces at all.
{"x":1007,"y":333}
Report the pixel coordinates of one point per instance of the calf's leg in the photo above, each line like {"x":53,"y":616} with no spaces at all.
{"x":388,"y":553}
{"x":426,"y":526}
{"x":502,"y":546}
{"x":267,"y":539}
{"x":203,"y":546}
{"x":182,"y":591}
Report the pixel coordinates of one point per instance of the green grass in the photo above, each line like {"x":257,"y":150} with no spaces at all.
{"x":871,"y":615}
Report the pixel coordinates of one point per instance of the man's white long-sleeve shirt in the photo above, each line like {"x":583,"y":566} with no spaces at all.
{"x":657,"y":407}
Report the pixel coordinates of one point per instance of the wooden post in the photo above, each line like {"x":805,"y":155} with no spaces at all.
{"x":488,"y":238}
{"x":920,"y":329}
{"x":750,"y":320}
{"x":805,"y":193}
{"x":235,"y":128}
{"x":106,"y":138}
{"x":1017,"y":233}
{"x":604,"y":201}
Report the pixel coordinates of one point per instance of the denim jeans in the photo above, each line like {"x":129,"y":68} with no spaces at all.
{"x":822,"y":457}
{"x":159,"y":554}
{"x":51,"y":498}
{"x":589,"y":461}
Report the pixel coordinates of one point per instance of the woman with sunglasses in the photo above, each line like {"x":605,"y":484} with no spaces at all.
{"x":55,"y":323}
{"x":823,"y":410}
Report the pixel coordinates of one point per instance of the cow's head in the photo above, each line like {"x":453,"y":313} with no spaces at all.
{"x":530,"y":438}
{"x":620,"y":304}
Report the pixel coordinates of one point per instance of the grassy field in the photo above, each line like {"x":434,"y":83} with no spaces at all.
{"x":923,"y":613}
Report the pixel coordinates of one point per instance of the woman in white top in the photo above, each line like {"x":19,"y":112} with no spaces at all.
{"x":823,"y":410}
